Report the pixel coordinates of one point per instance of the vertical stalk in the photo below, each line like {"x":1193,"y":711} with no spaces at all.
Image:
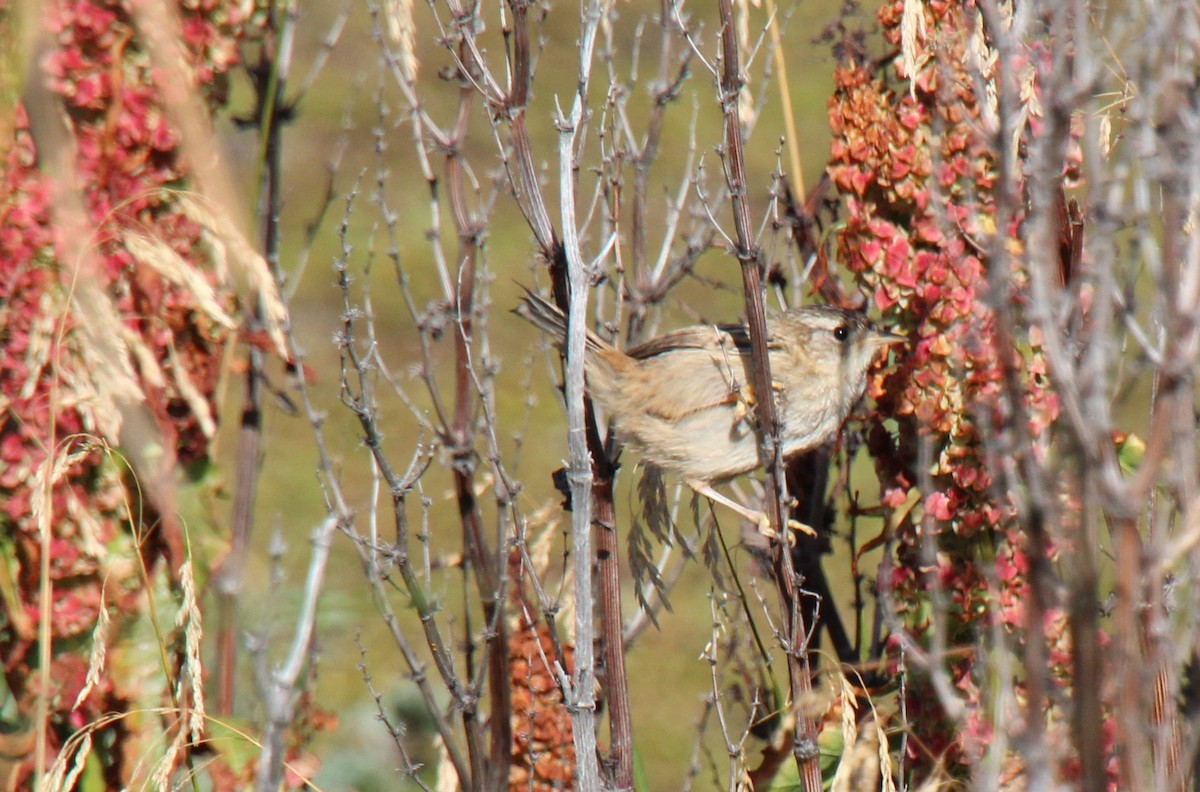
{"x":616,"y":687}
{"x":582,"y":701}
{"x":749,"y":255}
{"x":270,"y":77}
{"x":488,"y":565}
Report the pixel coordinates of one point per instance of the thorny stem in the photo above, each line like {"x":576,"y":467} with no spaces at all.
{"x":489,"y":566}
{"x":748,"y":253}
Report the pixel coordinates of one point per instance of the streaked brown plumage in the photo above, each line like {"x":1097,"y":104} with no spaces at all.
{"x":683,"y":400}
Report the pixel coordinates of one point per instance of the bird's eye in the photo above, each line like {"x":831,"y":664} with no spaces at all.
{"x":841,"y":332}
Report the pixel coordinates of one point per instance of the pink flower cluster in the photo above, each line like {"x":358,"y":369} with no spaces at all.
{"x":917,"y":179}
{"x":128,"y":170}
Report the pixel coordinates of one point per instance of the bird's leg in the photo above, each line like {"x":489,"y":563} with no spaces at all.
{"x":759,"y":518}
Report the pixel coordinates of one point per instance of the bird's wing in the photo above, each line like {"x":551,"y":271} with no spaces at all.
{"x":683,"y":364}
{"x":697,"y":337}
{"x":740,"y":335}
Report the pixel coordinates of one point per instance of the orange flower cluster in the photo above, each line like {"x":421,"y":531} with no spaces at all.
{"x":543,"y":753}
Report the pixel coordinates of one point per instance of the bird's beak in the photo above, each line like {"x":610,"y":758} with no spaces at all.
{"x":884,"y":338}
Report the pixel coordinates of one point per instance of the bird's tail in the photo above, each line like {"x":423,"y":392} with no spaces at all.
{"x":546,"y":316}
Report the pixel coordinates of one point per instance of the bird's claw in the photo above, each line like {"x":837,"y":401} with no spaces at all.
{"x":765,"y":528}
{"x":796,"y":525}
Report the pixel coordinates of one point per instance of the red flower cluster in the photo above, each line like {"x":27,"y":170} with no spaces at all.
{"x":129,"y":173}
{"x":39,"y":402}
{"x":917,"y":177}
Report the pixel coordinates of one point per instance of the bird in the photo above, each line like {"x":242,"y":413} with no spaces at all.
{"x":684,"y":401}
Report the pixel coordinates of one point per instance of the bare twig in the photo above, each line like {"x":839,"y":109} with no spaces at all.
{"x":580,"y":470}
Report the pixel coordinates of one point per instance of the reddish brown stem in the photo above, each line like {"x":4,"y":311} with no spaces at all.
{"x":608,"y":568}
{"x":482,"y":559}
{"x":488,"y":565}
{"x":749,"y":254}
{"x":269,"y":86}
{"x":1126,"y":660}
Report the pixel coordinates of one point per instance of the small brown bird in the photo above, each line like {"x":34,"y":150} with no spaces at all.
{"x":684,"y":401}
